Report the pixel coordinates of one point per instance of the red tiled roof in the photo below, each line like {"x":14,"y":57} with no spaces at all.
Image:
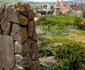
{"x":83,"y":22}
{"x":62,"y":3}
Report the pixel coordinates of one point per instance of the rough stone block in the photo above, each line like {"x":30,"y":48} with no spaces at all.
{"x":16,"y":34}
{"x":31,"y":24}
{"x":18,"y":68}
{"x":22,"y":19}
{"x":31,"y":48}
{"x":27,"y":46}
{"x":26,"y":61}
{"x":18,"y":58}
{"x":18,"y":47}
{"x":27,"y":7}
{"x":1,"y":44}
{"x":11,"y":15}
{"x":31,"y":27}
{"x":7,"y":49}
{"x":35,"y":65}
{"x":21,"y":8}
{"x":24,"y":34}
{"x":31,"y":15}
{"x":19,"y":33}
{"x":34,"y":35}
{"x":1,"y":12}
{"x":5,"y":26}
{"x":34,"y":51}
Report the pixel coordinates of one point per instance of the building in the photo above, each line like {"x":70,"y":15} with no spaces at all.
{"x":46,"y":8}
{"x":77,"y":10}
{"x":56,"y":8}
{"x":65,"y":9}
{"x":61,"y":8}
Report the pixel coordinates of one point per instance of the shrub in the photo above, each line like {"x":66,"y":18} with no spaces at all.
{"x":81,"y":26}
{"x":73,"y":52}
{"x":45,"y":49}
{"x":42,"y":12}
{"x":60,"y":65}
{"x":77,"y":23}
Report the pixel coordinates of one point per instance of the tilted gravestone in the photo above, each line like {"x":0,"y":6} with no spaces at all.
{"x":18,"y":39}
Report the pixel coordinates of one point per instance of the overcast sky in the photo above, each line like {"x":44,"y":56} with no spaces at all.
{"x":44,"y":0}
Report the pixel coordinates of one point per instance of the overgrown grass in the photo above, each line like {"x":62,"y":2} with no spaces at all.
{"x":76,"y":35}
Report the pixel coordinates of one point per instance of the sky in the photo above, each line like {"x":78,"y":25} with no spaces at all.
{"x":44,"y":0}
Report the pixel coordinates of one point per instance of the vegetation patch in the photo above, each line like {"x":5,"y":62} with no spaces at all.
{"x":76,"y":35}
{"x":65,"y":39}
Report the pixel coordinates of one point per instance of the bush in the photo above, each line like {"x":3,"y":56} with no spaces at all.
{"x":45,"y":49}
{"x":81,"y":26}
{"x":60,"y":65}
{"x":50,"y":12}
{"x":74,"y":53}
{"x":77,"y":23}
{"x":42,"y":12}
{"x":56,"y":20}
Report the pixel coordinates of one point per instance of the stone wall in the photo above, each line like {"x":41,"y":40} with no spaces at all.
{"x":17,"y":29}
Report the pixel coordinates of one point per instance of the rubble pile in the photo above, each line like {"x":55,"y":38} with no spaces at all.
{"x":17,"y":24}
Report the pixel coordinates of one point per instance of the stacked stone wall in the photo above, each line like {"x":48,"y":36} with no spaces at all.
{"x":17,"y":22}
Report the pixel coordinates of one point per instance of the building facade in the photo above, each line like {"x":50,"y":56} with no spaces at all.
{"x":61,"y":8}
